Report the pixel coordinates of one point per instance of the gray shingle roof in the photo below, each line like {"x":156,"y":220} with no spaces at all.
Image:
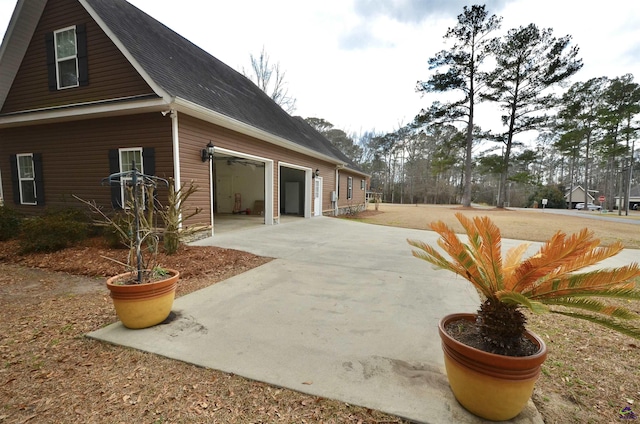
{"x":186,"y":71}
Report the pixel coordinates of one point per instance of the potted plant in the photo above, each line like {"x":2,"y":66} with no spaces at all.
{"x":143,"y":295}
{"x":492,"y":360}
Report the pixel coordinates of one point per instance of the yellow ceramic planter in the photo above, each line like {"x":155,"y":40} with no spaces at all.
{"x":494,"y":387}
{"x":143,"y":305}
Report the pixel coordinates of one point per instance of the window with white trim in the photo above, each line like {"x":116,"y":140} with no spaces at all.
{"x":129,"y":158}
{"x":349,"y":188}
{"x":26,"y":179}
{"x":362,"y":184}
{"x":66,"y":50}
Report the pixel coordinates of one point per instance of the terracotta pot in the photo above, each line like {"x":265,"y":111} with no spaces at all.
{"x":491,"y":386}
{"x":143,"y":305}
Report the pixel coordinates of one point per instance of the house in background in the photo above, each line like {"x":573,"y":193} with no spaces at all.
{"x":634,"y":199}
{"x":88,"y":87}
{"x":576,"y":196}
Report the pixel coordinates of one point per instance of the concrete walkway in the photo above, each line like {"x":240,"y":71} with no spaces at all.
{"x":344,"y":312}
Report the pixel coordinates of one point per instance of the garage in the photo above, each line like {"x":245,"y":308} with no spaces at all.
{"x":295,"y":187}
{"x":242,"y":194}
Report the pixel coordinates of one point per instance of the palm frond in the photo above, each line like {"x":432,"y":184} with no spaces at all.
{"x":594,"y":305}
{"x":610,"y":281}
{"x":485,"y":247}
{"x":511,"y":262}
{"x":621,"y":327}
{"x":518,"y":299}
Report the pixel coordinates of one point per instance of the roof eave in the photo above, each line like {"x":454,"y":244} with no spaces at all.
{"x":115,"y":107}
{"x":208,"y":115}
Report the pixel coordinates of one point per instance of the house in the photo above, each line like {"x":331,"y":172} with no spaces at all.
{"x":576,"y":196}
{"x":634,"y":198}
{"x":92,"y":87}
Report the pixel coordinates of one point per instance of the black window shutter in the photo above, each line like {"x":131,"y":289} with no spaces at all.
{"x":83,"y":67}
{"x":37,"y":168}
{"x":13,"y":160}
{"x":149,"y":160}
{"x":114,"y":167}
{"x":149,"y":165}
{"x":51,"y":61}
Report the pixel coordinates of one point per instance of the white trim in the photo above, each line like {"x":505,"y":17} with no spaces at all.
{"x":268,"y":180}
{"x":155,"y":87}
{"x":211,"y":193}
{"x":175,"y":143}
{"x":120,"y":151}
{"x":177,"y":180}
{"x":335,"y":206}
{"x":58,"y":59}
{"x":308,"y":199}
{"x":112,"y":107}
{"x":32,"y":179}
{"x":320,"y":182}
{"x":208,"y":115}
{"x":291,"y":165}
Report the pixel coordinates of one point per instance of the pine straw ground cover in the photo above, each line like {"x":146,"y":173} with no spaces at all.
{"x":51,"y":373}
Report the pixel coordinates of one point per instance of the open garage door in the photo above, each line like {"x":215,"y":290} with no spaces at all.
{"x":243,"y":194}
{"x":295,"y":191}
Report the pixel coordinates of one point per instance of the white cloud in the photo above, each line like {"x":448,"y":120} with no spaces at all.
{"x":355,"y":62}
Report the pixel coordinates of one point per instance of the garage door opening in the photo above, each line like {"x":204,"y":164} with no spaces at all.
{"x":294,"y":191}
{"x":239,"y":192}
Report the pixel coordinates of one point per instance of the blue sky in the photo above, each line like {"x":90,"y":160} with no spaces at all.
{"x":355,"y":62}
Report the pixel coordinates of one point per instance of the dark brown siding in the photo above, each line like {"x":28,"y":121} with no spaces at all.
{"x":111,"y":76}
{"x":75,"y":155}
{"x":195,"y":134}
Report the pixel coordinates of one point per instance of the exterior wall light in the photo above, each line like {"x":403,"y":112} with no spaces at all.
{"x":207,"y":154}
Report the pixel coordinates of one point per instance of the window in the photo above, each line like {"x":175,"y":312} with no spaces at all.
{"x":349,"y":187}
{"x":129,"y":158}
{"x":362,"y":184}
{"x":26,"y":179}
{"x":66,"y":49}
{"x":123,"y":160}
{"x":67,"y":63}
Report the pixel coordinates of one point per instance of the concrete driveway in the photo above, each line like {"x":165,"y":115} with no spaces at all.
{"x":344,"y":312}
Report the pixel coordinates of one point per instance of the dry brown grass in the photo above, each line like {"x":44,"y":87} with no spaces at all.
{"x":520,"y":224}
{"x":591,"y":373}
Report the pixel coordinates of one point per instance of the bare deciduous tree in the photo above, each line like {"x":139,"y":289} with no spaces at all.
{"x":270,"y":79}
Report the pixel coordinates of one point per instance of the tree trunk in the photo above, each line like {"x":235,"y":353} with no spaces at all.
{"x":466,"y":194}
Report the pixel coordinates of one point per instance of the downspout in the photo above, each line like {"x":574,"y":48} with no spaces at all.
{"x":335,"y":203}
{"x":176,"y":153}
{"x":336,"y":209}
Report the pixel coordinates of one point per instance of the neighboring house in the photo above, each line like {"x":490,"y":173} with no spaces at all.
{"x":576,"y":196}
{"x":634,"y":198}
{"x":88,"y":87}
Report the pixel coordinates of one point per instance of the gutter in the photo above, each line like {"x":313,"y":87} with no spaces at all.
{"x":208,"y":115}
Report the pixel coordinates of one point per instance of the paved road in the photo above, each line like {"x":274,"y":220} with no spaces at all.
{"x":632,"y":218}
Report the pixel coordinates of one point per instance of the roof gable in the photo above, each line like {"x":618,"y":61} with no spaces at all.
{"x":16,"y":41}
{"x":184,"y":70}
{"x":577,"y":194}
{"x":111,"y":75}
{"x":174,"y":68}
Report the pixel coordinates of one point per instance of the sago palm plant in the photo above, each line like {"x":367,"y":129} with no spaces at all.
{"x":547,"y":281}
